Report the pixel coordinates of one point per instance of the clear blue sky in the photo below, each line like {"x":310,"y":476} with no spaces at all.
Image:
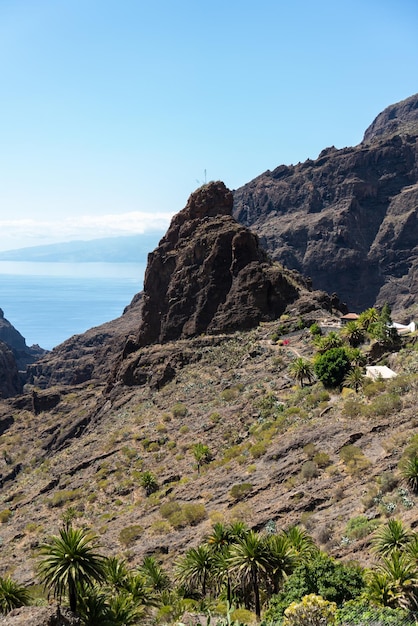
{"x":112,"y":110}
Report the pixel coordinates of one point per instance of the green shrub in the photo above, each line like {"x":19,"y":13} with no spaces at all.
{"x":322,"y":459}
{"x":149,"y":482}
{"x":332,"y":366}
{"x":179,"y":410}
{"x":384,"y":405}
{"x":258,"y":449}
{"x":62,"y":497}
{"x":194,"y":512}
{"x":168,"y":508}
{"x":354,"y":458}
{"x":360,"y":526}
{"x":130,"y":534}
{"x":240,"y":491}
{"x":309,"y":470}
{"x":5,"y":515}
{"x":315,"y":329}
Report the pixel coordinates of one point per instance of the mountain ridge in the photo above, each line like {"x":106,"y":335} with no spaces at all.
{"x":347,"y":219}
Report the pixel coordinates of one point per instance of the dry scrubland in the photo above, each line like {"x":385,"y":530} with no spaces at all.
{"x":278,"y":453}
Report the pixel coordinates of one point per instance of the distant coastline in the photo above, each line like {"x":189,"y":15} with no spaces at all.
{"x":128,"y":249}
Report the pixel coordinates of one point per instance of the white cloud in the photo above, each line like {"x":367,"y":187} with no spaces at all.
{"x":30,"y":232}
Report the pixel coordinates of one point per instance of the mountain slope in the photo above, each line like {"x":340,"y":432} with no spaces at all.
{"x":349,"y":218}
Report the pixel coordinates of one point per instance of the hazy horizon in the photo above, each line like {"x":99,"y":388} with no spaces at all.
{"x":113,"y":113}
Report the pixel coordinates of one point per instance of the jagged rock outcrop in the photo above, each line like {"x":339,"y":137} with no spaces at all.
{"x":209,"y":274}
{"x":349,"y":219}
{"x":23,"y":354}
{"x":10,"y":383}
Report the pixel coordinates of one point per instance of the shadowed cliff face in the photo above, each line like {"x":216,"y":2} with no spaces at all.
{"x":209,"y":274}
{"x":349,"y":219}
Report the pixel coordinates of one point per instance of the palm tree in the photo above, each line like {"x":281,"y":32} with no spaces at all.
{"x":354,"y":379}
{"x":357,"y":357}
{"x":249,"y":558}
{"x":368,"y":318}
{"x":154,"y":574}
{"x":353,"y":333}
{"x":282,"y":559}
{"x":201,"y":454}
{"x":392,"y":536}
{"x":410,"y":473}
{"x":71,"y":563}
{"x":332,"y":340}
{"x":12,"y":595}
{"x":301,"y":369}
{"x":124,"y":610}
{"x":302,"y":543}
{"x":194,"y":569}
{"x":400,"y":582}
{"x":116,"y":573}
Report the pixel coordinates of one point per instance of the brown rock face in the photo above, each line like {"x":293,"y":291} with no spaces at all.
{"x":349,"y":219}
{"x":209,"y":274}
{"x":10,"y":383}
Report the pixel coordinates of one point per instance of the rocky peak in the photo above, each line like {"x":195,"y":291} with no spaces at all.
{"x":397,"y":119}
{"x":209,"y":274}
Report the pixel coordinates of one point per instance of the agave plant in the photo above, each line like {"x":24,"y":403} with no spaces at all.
{"x":12,"y":595}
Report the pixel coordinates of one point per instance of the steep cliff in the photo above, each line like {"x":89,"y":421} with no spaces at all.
{"x":348,"y":219}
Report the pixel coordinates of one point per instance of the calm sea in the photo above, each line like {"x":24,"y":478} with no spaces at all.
{"x":49,"y":302}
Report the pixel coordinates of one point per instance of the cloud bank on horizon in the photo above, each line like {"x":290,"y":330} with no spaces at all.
{"x":20,"y":233}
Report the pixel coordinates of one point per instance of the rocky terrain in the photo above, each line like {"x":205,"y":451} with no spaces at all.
{"x":203,"y":356}
{"x":347,"y":219}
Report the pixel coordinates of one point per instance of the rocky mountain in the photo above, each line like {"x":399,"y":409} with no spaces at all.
{"x":204,"y":356}
{"x":15,"y":356}
{"x":347,"y":219}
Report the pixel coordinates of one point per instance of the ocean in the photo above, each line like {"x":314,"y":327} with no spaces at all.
{"x":49,"y":302}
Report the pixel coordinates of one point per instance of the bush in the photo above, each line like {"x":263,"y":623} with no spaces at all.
{"x":65,"y":495}
{"x":240,"y":491}
{"x":360,"y":526}
{"x":354,"y":458}
{"x":313,"y":610}
{"x":130,"y":534}
{"x":332,"y":366}
{"x":179,"y":410}
{"x":5,"y":515}
{"x":309,"y":470}
{"x":148,"y":482}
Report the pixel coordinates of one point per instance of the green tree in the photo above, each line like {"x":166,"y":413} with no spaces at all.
{"x":70,"y":563}
{"x":394,"y":583}
{"x":333,"y":580}
{"x":201,"y":454}
{"x":249,"y":558}
{"x":301,"y":369}
{"x":282,"y":559}
{"x":154,"y":574}
{"x":194,"y":569}
{"x":354,"y":379}
{"x":392,"y":536}
{"x":332,"y":366}
{"x":409,"y":471}
{"x":149,"y":482}
{"x":12,"y":595}
{"x":353,"y":333}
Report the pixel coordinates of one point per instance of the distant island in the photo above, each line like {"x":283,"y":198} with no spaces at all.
{"x":126,"y":249}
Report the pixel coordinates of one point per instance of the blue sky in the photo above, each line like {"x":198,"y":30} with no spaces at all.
{"x":112,"y":110}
